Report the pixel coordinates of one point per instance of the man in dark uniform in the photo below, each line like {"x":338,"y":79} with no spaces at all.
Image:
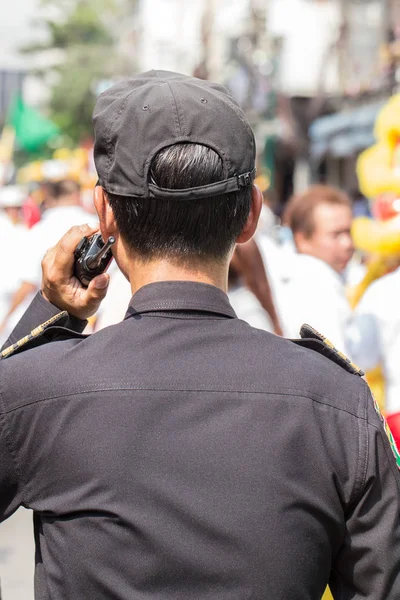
{"x":182,"y":454}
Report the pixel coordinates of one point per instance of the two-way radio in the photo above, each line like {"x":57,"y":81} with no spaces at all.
{"x":92,"y":257}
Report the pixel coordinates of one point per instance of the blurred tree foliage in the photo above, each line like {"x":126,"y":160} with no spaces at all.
{"x":81,"y":52}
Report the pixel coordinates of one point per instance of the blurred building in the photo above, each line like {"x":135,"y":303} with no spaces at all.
{"x":16,"y":30}
{"x":11,"y":84}
{"x":334,"y":66}
{"x":367,"y":76}
{"x":306,"y":31}
{"x":179,"y":35}
{"x":169,"y":34}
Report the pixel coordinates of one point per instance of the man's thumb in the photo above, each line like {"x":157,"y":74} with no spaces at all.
{"x":97,"y":289}
{"x":101,"y":281}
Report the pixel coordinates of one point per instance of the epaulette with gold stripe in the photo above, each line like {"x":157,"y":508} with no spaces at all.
{"x":314,"y":340}
{"x":35,"y":333}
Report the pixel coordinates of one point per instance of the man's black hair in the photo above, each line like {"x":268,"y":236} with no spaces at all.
{"x":182,"y":229}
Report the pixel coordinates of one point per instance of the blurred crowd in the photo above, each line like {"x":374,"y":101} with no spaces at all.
{"x":29,"y":227}
{"x":298,"y":269}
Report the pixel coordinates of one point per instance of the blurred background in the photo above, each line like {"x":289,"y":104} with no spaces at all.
{"x":319,"y":81}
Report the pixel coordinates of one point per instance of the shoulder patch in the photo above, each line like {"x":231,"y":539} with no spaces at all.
{"x":387,"y":431}
{"x":35,"y":333}
{"x":312,"y":339}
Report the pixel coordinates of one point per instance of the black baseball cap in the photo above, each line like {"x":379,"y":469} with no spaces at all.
{"x":138,"y":117}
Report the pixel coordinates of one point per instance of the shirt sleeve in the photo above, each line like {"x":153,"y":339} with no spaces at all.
{"x":10,"y":485}
{"x":368,"y":564}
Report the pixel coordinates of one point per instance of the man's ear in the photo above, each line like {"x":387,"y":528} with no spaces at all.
{"x":104,"y":211}
{"x":302,"y":243}
{"x":252,"y":221}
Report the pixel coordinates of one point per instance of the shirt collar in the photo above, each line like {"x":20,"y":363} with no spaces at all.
{"x":180,"y":296}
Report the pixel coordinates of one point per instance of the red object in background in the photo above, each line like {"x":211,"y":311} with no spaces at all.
{"x":386,"y":207}
{"x":31,"y":212}
{"x":393,"y":421}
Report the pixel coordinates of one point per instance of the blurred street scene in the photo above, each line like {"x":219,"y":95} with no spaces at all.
{"x":320,"y":83}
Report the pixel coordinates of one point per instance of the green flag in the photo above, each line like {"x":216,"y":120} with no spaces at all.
{"x":32,"y":130}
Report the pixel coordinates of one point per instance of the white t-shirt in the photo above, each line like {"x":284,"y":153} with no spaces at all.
{"x":248,"y":308}
{"x":374,"y":336}
{"x":45,"y":234}
{"x":315,"y":294}
{"x":114,"y":306}
{"x":278,"y":264}
{"x":13,"y":238}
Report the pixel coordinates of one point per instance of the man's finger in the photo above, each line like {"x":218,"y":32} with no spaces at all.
{"x":64,"y":250}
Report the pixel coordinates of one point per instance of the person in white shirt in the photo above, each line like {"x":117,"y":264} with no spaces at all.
{"x":277,"y":248}
{"x":250,"y":292}
{"x":12,"y":199}
{"x":320,"y":220}
{"x":375,"y":334}
{"x":62,"y":211}
{"x":113,"y":308}
{"x":12,"y":233}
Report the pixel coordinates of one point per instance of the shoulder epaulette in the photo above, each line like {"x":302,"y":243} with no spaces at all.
{"x":35,"y":333}
{"x":312,"y":339}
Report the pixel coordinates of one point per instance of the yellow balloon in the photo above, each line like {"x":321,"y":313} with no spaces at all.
{"x":376,"y":171}
{"x":387,"y":126}
{"x":378,"y":168}
{"x":377,"y":237}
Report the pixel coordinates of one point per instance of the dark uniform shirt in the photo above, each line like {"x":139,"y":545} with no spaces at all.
{"x":182,"y":454}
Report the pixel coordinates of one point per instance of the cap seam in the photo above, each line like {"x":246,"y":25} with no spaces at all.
{"x":180,"y":110}
{"x":240,"y":116}
{"x":110,"y":144}
{"x":178,"y":129}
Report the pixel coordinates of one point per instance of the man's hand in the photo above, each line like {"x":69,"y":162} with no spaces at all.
{"x":61,"y":287}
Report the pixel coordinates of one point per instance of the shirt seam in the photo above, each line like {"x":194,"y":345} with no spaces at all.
{"x":362,"y":454}
{"x":197,"y":391}
{"x":339,"y":583}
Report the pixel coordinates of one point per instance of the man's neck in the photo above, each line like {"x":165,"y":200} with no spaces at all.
{"x":141,"y":274}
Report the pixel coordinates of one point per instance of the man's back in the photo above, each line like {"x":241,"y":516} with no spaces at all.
{"x":182,"y":454}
